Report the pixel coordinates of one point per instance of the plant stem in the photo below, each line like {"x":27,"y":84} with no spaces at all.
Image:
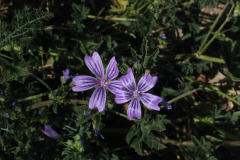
{"x":209,"y":87}
{"x":182,"y":56}
{"x":111,"y":18}
{"x":6,"y":56}
{"x":213,"y":126}
{"x":41,"y":81}
{"x":183,"y":95}
{"x":175,"y":142}
{"x":45,"y":103}
{"x":217,"y":32}
{"x":212,"y":27}
{"x":32,"y":97}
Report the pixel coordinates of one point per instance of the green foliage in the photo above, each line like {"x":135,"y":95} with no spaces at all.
{"x":199,"y":149}
{"x":36,"y":47}
{"x":23,"y":27}
{"x":18,"y":70}
{"x":144,"y":134}
{"x":79,"y":15}
{"x":145,"y":59}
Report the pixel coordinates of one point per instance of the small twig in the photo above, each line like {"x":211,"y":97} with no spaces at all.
{"x":3,"y":148}
{"x":45,"y":103}
{"x":212,"y":27}
{"x":41,"y":81}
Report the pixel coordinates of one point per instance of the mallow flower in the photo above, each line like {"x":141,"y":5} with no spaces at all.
{"x":98,"y":133}
{"x":145,"y":83}
{"x":86,"y":112}
{"x":83,"y":83}
{"x":50,"y":132}
{"x":66,"y":74}
{"x":164,"y":36}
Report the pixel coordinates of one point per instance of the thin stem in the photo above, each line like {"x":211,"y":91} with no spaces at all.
{"x":118,"y":113}
{"x":182,"y":96}
{"x":183,"y":56}
{"x":175,"y":142}
{"x":32,"y":97}
{"x":209,"y":87}
{"x":217,"y":32}
{"x":213,"y":126}
{"x":212,"y":27}
{"x":2,"y":144}
{"x":45,"y":84}
{"x":111,"y":18}
{"x":45,"y":103}
{"x":6,"y":56}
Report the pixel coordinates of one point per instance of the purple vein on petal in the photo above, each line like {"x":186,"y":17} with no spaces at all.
{"x":98,"y":99}
{"x":84,"y":83}
{"x":112,"y":70}
{"x":95,"y":65}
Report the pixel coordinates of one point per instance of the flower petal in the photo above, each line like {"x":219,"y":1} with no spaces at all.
{"x":151,"y":101}
{"x":134,"y":109}
{"x":114,"y":86}
{"x":112,"y":70}
{"x":122,"y":96}
{"x":168,"y":106}
{"x":95,"y":65}
{"x":146,"y":82}
{"x":50,"y":132}
{"x":98,"y":99}
{"x":84,"y":83}
{"x":66,"y":72}
{"x":128,"y":80}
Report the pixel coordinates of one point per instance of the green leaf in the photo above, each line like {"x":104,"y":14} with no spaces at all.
{"x":84,"y":118}
{"x":132,"y":133}
{"x":135,"y":55}
{"x":137,"y":145}
{"x":18,"y":70}
{"x":154,"y":143}
{"x":199,"y":148}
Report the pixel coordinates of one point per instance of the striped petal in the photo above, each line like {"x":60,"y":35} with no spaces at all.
{"x":151,"y":101}
{"x":114,"y":86}
{"x":122,"y":96}
{"x":128,"y":80}
{"x":134,"y":109}
{"x":146,"y":82}
{"x":112,"y":70}
{"x":98,"y":99}
{"x":95,"y":65}
{"x":84,"y":83}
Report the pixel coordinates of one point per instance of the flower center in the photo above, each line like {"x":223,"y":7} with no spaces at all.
{"x":136,"y":94}
{"x":103,"y":82}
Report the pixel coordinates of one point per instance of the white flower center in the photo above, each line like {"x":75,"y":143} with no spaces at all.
{"x":136,"y":94}
{"x":103,"y":82}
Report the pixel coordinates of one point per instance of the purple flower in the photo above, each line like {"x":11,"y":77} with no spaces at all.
{"x":81,"y":142}
{"x":7,"y":114}
{"x":1,"y":94}
{"x":136,"y":62}
{"x":50,"y":132}
{"x":168,"y":106}
{"x":15,"y":105}
{"x":83,"y":83}
{"x":164,"y":36}
{"x":145,"y":83}
{"x":98,"y":133}
{"x":164,"y":19}
{"x":66,"y":74}
{"x":86,"y":112}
